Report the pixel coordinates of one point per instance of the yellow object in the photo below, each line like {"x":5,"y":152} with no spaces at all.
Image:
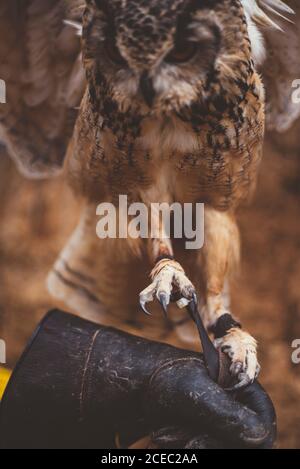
{"x":4,"y":378}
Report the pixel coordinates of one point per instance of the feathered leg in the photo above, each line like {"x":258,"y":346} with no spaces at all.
{"x":221,"y":257}
{"x":169,"y":281}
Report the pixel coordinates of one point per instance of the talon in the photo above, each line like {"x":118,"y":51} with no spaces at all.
{"x":143,"y":303}
{"x":164,"y":300}
{"x":245,"y":381}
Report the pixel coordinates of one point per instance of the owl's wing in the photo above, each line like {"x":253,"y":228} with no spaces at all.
{"x":279,"y":22}
{"x":44,"y":80}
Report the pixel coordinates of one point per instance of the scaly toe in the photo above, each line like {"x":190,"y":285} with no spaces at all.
{"x":241,"y":348}
{"x":169,"y":282}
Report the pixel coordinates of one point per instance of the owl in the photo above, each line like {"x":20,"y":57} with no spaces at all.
{"x":164,"y":101}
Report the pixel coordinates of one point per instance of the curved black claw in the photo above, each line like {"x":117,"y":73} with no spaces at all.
{"x":243,"y":383}
{"x":164,"y":300}
{"x":142,"y":304}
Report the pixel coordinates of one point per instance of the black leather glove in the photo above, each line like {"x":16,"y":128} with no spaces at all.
{"x":81,"y":385}
{"x":181,"y":391}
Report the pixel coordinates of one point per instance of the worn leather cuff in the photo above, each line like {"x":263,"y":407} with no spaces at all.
{"x":223,"y":325}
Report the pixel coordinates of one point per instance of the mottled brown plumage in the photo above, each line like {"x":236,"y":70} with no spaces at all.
{"x":173,"y":112}
{"x":198,"y":140}
{"x":219,"y":120}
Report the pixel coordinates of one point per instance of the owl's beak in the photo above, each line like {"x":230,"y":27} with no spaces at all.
{"x":147,"y":89}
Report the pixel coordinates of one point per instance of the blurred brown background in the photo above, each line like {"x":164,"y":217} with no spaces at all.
{"x":37,"y":218}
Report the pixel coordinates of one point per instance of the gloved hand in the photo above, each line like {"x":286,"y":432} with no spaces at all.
{"x":81,"y":385}
{"x":202,"y":414}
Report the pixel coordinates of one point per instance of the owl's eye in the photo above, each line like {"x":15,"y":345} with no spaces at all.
{"x":182,"y":52}
{"x":114,"y":53}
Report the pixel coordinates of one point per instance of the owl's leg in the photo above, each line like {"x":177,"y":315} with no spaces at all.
{"x":168,"y":279}
{"x":221,"y":256}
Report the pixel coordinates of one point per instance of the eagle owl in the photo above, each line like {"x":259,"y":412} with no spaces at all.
{"x":172,"y":110}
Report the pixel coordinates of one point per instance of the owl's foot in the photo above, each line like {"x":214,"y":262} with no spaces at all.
{"x":169,"y":283}
{"x":241,"y":348}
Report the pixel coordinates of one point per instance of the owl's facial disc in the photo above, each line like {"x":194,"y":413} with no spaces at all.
{"x":177,"y":72}
{"x":161,"y":55}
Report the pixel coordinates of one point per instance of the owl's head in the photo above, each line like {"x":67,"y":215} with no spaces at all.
{"x":163,"y":55}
